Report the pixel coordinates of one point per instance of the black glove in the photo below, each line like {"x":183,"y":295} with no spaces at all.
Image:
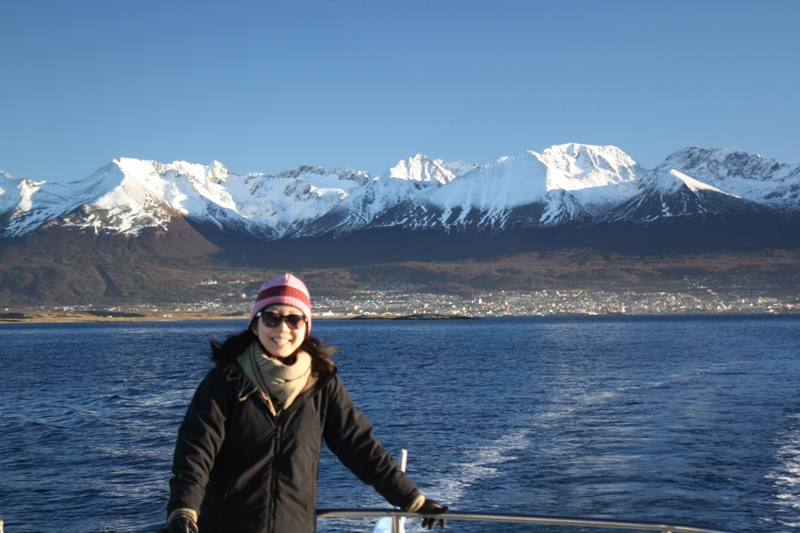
{"x":431,"y":507}
{"x":179,"y":524}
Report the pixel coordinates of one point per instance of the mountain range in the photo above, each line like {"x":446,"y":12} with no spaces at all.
{"x":568,"y":197}
{"x":563,"y":184}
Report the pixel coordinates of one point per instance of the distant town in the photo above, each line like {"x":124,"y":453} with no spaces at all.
{"x":547,"y":303}
{"x":403,"y":303}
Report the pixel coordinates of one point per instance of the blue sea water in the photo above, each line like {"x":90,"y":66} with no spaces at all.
{"x":689,"y":420}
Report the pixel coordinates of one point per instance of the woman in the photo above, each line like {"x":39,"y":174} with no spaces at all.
{"x":248,"y":449}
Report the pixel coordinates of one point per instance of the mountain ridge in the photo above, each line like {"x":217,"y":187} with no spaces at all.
{"x":137,"y":231}
{"x":566,"y":183}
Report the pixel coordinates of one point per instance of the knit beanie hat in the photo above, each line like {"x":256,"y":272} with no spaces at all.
{"x":286,"y":290}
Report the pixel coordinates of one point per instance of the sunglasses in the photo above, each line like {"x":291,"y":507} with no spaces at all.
{"x":273,"y":320}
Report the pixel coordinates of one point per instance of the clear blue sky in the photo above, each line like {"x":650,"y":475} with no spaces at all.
{"x":268,"y":86}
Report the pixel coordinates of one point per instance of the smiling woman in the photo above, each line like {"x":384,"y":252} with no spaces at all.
{"x":256,"y":424}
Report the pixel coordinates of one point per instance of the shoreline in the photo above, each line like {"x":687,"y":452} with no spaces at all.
{"x":45,"y":317}
{"x":76,"y":317}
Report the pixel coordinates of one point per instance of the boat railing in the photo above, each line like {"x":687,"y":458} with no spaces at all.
{"x":575,"y":522}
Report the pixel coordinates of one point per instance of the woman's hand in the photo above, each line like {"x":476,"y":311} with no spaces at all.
{"x":432,"y":507}
{"x":179,"y":524}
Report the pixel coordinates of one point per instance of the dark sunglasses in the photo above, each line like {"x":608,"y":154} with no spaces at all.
{"x":273,"y":320}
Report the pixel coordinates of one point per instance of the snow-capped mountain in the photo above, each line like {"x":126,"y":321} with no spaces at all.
{"x":751,"y":177}
{"x":129,"y":195}
{"x":700,"y":182}
{"x":674,"y":194}
{"x":406,"y":182}
{"x":564,"y":184}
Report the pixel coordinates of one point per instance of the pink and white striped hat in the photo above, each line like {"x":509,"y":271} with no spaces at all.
{"x":286,"y":290}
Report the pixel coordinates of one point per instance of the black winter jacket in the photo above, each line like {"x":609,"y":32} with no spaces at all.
{"x":245,"y":470}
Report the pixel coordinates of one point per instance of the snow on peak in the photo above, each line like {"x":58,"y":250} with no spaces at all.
{"x":283,"y":204}
{"x":16,"y":195}
{"x":27,"y":188}
{"x":27,"y":205}
{"x":577,"y":166}
{"x":674,"y":180}
{"x":336,"y":180}
{"x":745,"y":175}
{"x":123,"y":197}
{"x":506,"y":183}
{"x":424,"y":169}
{"x":594,"y":175}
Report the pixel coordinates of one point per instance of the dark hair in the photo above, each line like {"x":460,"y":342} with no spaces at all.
{"x":225,"y":353}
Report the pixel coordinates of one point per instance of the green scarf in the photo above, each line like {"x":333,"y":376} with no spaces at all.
{"x":280,"y":381}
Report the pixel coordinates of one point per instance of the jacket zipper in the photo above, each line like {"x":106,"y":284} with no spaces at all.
{"x":274,"y":478}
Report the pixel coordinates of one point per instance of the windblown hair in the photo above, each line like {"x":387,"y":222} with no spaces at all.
{"x":225,"y":353}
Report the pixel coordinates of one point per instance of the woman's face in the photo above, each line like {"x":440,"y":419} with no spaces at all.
{"x":280,"y":341}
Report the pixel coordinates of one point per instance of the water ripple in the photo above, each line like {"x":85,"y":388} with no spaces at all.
{"x":683,"y":420}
